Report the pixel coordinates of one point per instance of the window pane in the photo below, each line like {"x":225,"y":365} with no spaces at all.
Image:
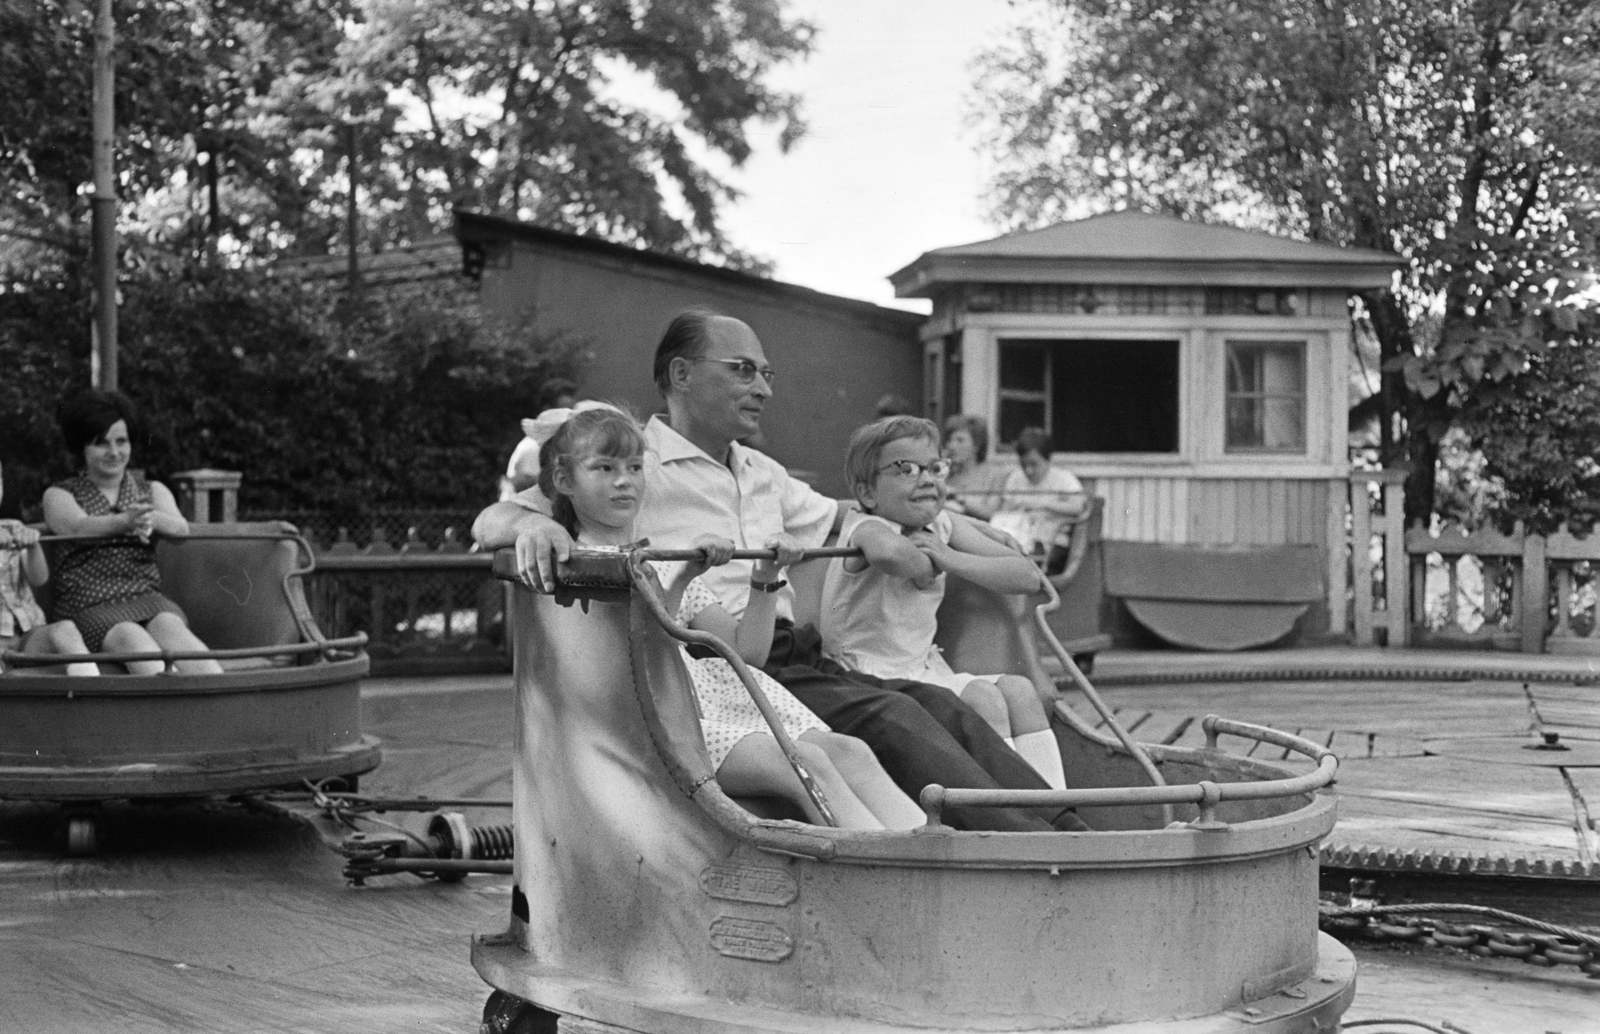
{"x":1016,"y":415}
{"x":1111,"y":396}
{"x":1266,"y":388}
{"x":1022,"y":366}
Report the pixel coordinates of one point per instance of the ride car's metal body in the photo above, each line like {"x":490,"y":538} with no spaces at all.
{"x":647,"y":900}
{"x":286,"y":708}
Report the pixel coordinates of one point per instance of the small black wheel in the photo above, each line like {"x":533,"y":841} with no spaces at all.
{"x":1085,"y":663}
{"x":81,"y":839}
{"x":508,"y":1014}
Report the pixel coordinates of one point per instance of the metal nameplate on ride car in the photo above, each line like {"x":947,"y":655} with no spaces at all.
{"x":753,"y":939}
{"x":755,"y":884}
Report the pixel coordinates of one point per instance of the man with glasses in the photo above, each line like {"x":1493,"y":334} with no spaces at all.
{"x":703,"y":489}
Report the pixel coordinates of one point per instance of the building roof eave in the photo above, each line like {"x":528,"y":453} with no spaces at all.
{"x":477,"y":228}
{"x":921,"y":278}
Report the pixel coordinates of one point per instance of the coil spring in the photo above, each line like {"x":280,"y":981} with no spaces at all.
{"x":492,"y":842}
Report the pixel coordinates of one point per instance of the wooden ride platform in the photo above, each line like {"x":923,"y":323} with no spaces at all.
{"x":1434,"y":777}
{"x":208,"y":918}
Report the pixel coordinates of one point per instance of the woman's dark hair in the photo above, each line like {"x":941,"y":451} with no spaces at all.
{"x":686,"y":337}
{"x":976,"y":426}
{"x":1033,"y":439}
{"x":84,"y":418}
{"x":606,"y":432}
{"x":554,"y":390}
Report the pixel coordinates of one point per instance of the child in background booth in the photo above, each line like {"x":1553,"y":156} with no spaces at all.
{"x":880,"y":612}
{"x":592,"y":470}
{"x":23,"y":626}
{"x":1039,"y":502}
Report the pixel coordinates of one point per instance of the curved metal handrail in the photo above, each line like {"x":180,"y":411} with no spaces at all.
{"x":1206,"y":794}
{"x":1134,"y":747}
{"x":644,"y":582}
{"x":44,"y":660}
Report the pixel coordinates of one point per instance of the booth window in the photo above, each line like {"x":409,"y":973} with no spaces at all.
{"x":1266,"y":406}
{"x":1092,"y":395}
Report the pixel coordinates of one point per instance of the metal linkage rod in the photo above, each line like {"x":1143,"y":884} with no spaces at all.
{"x":644,"y":583}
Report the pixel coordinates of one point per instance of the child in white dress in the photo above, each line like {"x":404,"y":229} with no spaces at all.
{"x":592,"y":470}
{"x":880,"y":613}
{"x":23,"y":626}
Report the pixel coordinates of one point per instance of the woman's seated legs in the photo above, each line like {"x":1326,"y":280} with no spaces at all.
{"x":131,"y":637}
{"x":861,"y":770}
{"x":165,"y":631}
{"x":169,"y":630}
{"x":756,"y":767}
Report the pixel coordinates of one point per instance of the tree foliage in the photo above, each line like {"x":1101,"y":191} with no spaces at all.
{"x":1539,"y":429}
{"x":414,"y":404}
{"x":1459,"y":134}
{"x":506,"y":106}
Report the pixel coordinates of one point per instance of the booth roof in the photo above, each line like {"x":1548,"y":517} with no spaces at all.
{"x":1140,"y":247}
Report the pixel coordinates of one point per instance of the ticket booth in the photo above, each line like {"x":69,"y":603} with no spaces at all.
{"x":1195,"y":377}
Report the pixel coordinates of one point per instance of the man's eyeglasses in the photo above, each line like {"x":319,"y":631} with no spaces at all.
{"x":940,"y":468}
{"x":743,"y":369}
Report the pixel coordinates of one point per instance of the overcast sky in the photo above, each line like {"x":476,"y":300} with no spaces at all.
{"x":888,"y":170}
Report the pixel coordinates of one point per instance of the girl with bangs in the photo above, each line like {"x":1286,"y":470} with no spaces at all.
{"x":591,"y":468}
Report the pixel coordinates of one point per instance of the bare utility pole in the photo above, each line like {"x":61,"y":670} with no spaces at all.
{"x":103,"y":363}
{"x":352,"y":223}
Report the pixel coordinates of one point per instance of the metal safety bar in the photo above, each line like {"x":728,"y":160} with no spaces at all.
{"x":1041,"y":614}
{"x":644,"y":581}
{"x":1206,"y":794}
{"x":41,"y":660}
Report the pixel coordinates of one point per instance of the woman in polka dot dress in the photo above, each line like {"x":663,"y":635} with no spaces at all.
{"x":112,"y":589}
{"x":591,"y":468}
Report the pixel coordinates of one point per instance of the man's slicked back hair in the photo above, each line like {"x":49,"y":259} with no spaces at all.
{"x":685,"y":337}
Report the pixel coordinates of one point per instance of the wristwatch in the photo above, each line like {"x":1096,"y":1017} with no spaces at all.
{"x":756,"y":586}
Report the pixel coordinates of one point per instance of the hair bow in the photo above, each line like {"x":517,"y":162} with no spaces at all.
{"x":540,"y":429}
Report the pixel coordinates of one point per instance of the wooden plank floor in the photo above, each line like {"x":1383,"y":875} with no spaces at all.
{"x":214,"y":919}
{"x":1395,"y":795}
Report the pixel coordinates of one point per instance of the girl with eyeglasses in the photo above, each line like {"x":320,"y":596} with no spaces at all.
{"x":880,"y":611}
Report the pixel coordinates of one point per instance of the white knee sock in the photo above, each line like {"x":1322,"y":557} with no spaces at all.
{"x":1040,"y":750}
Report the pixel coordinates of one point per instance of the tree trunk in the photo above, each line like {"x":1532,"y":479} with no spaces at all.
{"x":1395,"y":343}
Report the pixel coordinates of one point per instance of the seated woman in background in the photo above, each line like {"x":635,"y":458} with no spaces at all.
{"x":1040,"y":502}
{"x":112,"y":589}
{"x":23,"y":626}
{"x":974,"y":484}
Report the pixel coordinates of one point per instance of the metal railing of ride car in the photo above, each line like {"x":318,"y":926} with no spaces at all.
{"x":1205,"y":794}
{"x":820,"y":812}
{"x":321,"y":645}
